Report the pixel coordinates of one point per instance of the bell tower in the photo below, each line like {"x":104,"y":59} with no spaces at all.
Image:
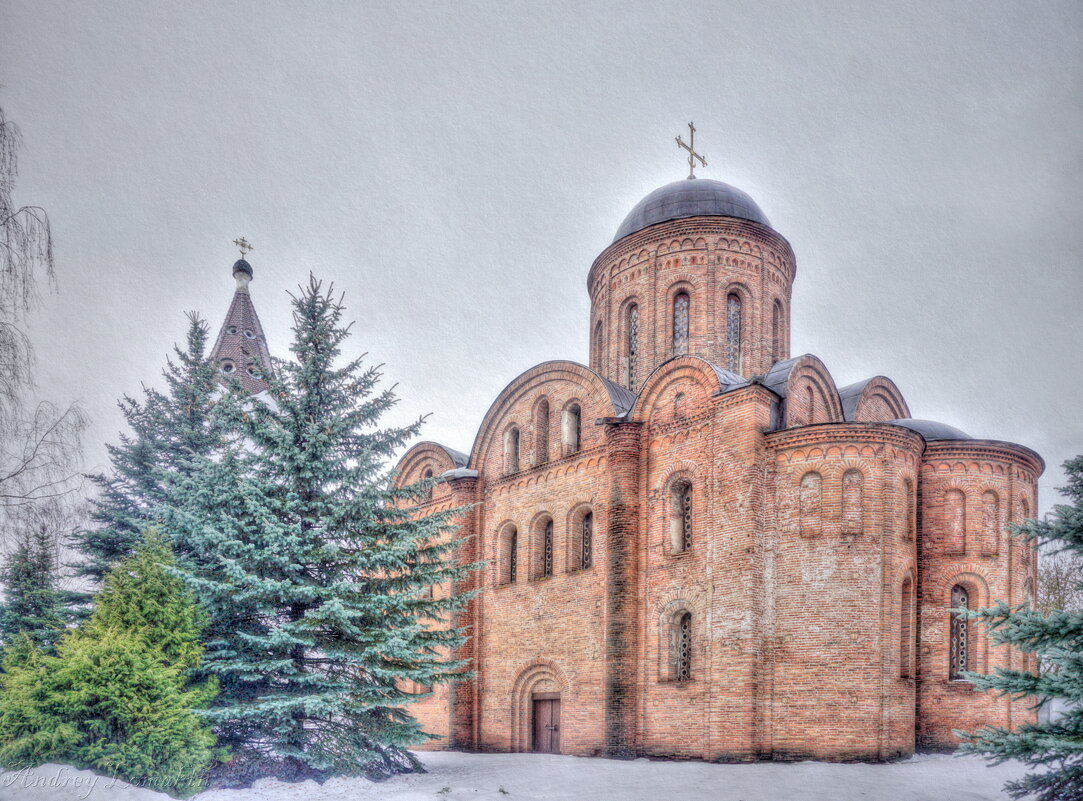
{"x":241,"y":348}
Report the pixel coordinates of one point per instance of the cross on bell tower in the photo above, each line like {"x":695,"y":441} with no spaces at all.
{"x":693,"y":156}
{"x":242,"y":243}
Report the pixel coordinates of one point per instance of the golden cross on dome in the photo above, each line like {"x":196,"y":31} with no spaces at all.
{"x":690,"y":147}
{"x":242,"y":243}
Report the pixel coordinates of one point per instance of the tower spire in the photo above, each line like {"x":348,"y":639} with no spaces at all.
{"x":241,"y":348}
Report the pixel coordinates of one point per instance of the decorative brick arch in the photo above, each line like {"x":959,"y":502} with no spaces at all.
{"x":794,"y":379}
{"x":668,"y":611}
{"x":540,"y":675}
{"x":427,"y":455}
{"x":573,"y":539}
{"x":600,"y":398}
{"x":874,"y":400}
{"x":977,"y":588}
{"x":693,"y":370}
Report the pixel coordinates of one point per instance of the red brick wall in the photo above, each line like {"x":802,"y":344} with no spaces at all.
{"x":836,"y":690}
{"x":989,"y":563}
{"x":708,"y":258}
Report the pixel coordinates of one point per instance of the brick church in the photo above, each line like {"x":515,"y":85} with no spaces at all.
{"x":699,"y":545}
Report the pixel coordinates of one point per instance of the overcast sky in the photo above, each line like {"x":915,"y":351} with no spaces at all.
{"x":455,"y":168}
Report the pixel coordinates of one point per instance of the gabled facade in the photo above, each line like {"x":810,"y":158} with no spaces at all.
{"x":700,"y":546}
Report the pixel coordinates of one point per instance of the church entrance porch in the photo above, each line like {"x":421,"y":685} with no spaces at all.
{"x":546,"y":723}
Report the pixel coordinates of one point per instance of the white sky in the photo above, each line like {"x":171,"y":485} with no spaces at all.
{"x":455,"y":168}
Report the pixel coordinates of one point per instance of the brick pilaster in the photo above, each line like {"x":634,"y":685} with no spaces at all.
{"x":463,"y":694}
{"x":622,"y":636}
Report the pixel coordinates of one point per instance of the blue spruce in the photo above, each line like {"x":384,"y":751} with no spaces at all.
{"x":168,"y":431}
{"x":314,"y":567}
{"x":1056,"y":747}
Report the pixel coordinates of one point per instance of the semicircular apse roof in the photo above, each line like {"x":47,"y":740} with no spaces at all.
{"x":932,"y":430}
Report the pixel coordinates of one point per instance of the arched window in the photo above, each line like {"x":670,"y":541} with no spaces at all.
{"x":508,"y":558}
{"x":632,"y":346}
{"x":571,"y":428}
{"x":544,"y":557}
{"x":810,"y":405}
{"x":682,"y":662}
{"x":776,"y":331}
{"x":955,"y":520}
{"x":990,"y":522}
{"x":511,"y":450}
{"x":681,"y":305}
{"x":427,"y":476}
{"x":1028,"y":547}
{"x":733,"y":332}
{"x":586,"y":541}
{"x":680,"y":531}
{"x":906,"y":629}
{"x":852,"y":491}
{"x":811,"y":500}
{"x":541,"y":432}
{"x":959,"y":654}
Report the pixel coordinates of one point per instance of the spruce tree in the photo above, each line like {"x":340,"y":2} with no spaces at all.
{"x":1055,"y":747}
{"x":168,"y":430}
{"x":32,"y":603}
{"x":314,"y":567}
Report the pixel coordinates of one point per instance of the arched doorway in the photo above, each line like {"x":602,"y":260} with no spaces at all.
{"x":536,"y":708}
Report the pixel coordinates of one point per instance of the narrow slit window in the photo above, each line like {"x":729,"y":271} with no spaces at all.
{"x":683,"y":662}
{"x":547,"y":550}
{"x":541,"y":432}
{"x":511,"y":450}
{"x":776,"y":331}
{"x":960,"y":633}
{"x":733,"y":332}
{"x":586,"y":555}
{"x":571,"y":429}
{"x":681,"y":522}
{"x":681,"y":304}
{"x":633,"y":346}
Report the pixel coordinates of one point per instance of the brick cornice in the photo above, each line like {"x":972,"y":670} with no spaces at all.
{"x":710,"y":226}
{"x":1007,"y":452}
{"x":531,"y":472}
{"x":827,"y":433}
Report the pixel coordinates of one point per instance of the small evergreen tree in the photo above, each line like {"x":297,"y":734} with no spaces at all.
{"x":168,"y":430}
{"x":32,"y":604}
{"x":1057,"y":639}
{"x":313,"y":566}
{"x":117,"y":697}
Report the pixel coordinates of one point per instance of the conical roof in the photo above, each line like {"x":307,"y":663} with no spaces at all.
{"x":241,"y":348}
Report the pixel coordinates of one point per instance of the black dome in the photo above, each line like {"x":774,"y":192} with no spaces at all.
{"x":241,"y":266}
{"x":697,"y":197}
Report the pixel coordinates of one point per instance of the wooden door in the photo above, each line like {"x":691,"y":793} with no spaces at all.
{"x":547,"y":723}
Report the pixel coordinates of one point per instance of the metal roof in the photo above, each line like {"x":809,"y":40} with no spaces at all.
{"x":932,"y":430}
{"x":850,"y":396}
{"x":691,"y":197}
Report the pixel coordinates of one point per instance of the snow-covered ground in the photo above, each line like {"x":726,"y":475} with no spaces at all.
{"x":522,"y":777}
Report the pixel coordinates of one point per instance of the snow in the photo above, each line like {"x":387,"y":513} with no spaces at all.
{"x":533,"y":777}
